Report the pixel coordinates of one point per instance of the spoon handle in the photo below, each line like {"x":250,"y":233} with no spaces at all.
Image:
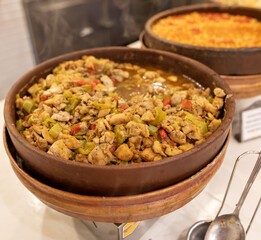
{"x":231,"y":177}
{"x":249,"y":183}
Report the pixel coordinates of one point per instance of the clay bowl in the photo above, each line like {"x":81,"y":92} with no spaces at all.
{"x":119,"y":180}
{"x":117,"y":209}
{"x":225,"y":61}
{"x":242,"y":86}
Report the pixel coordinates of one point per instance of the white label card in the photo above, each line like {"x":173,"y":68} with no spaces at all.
{"x":250,"y":124}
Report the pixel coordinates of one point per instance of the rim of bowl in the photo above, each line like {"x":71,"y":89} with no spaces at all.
{"x":195,"y":7}
{"x":225,"y":124}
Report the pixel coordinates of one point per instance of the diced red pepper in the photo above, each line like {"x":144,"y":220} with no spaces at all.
{"x":80,"y":82}
{"x":113,"y":80}
{"x":44,"y":97}
{"x":90,"y":70}
{"x":113,"y":148}
{"x":166,"y":101}
{"x":115,"y":98}
{"x":95,"y":66}
{"x":96,"y":81}
{"x":75,"y":129}
{"x":163,"y":133}
{"x":92,"y":126}
{"x":186,"y":103}
{"x":123,"y":107}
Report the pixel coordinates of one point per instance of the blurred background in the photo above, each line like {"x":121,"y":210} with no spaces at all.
{"x":32,"y":31}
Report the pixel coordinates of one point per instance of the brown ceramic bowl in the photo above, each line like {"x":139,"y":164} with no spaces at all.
{"x":118,"y":209}
{"x":225,"y":61}
{"x":119,"y":180}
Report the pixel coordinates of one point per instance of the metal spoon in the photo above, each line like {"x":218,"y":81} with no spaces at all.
{"x":198,"y":230}
{"x":229,"y":227}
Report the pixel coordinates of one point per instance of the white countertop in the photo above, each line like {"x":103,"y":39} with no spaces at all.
{"x":23,"y":216}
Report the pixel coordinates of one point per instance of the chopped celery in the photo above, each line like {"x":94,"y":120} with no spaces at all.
{"x":72,"y":105}
{"x":89,"y":146}
{"x":210,"y":99}
{"x":88,"y":88}
{"x":19,"y":125}
{"x":102,"y":105}
{"x":176,"y":126}
{"x":159,"y":116}
{"x":67,"y":94}
{"x":152,"y":129}
{"x":201,"y":124}
{"x":55,"y":130}
{"x":118,"y":134}
{"x":33,"y":119}
{"x":28,"y":105}
{"x":137,"y":119}
{"x":48,"y":120}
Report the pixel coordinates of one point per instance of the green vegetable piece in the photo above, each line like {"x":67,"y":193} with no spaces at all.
{"x":72,"y":105}
{"x":89,"y":146}
{"x":137,"y":120}
{"x":19,"y":125}
{"x":48,"y":120}
{"x":67,"y":94}
{"x":201,"y":124}
{"x":102,"y":105}
{"x":88,"y":88}
{"x":55,"y":130}
{"x":152,"y":129}
{"x":176,"y":126}
{"x":33,"y":119}
{"x":210,"y":99}
{"x":28,"y":105}
{"x":159,"y":116}
{"x":118,"y":134}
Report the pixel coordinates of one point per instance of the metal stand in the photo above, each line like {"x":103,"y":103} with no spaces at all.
{"x":119,"y":231}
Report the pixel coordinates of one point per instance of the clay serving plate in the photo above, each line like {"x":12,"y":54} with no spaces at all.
{"x":124,"y":179}
{"x":225,"y":61}
{"x":121,"y":208}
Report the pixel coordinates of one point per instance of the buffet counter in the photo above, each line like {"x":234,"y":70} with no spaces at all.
{"x":24,"y":216}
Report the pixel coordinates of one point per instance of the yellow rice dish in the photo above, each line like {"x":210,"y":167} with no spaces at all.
{"x":221,"y":30}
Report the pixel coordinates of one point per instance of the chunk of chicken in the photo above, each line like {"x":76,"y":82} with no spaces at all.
{"x":70,"y":141}
{"x":136,"y":129}
{"x":157,"y":148}
{"x":96,"y":156}
{"x":41,"y":143}
{"x":219,"y":92}
{"x":104,"y":112}
{"x":119,"y":74}
{"x":47,"y":136}
{"x":172,"y":151}
{"x":135,"y":142}
{"x":215,"y":123}
{"x":178,"y":136}
{"x":81,"y":158}
{"x":151,"y":74}
{"x":149,"y":156}
{"x":120,"y":118}
{"x":59,"y":149}
{"x":62,"y":116}
{"x":218,"y":102}
{"x":107,"y":81}
{"x":148,"y":116}
{"x":107,"y":137}
{"x":177,"y":97}
{"x":123,"y":153}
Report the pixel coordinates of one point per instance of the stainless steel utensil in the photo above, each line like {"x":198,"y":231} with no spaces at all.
{"x":227,"y":226}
